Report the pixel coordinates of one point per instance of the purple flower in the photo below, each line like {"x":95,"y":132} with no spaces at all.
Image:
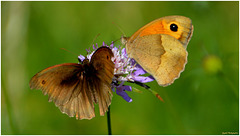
{"x":125,"y":69}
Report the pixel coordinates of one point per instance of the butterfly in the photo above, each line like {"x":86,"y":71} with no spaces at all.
{"x":75,"y":88}
{"x":160,"y":47}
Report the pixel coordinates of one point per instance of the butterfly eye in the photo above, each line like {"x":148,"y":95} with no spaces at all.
{"x":174,"y":27}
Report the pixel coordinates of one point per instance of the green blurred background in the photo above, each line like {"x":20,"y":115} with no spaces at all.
{"x":204,"y":100}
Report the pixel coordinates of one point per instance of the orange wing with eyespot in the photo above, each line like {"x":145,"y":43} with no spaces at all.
{"x":162,"y":26}
{"x":160,"y":47}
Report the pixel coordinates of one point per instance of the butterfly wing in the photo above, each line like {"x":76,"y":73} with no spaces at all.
{"x":101,"y":61}
{"x":66,"y":86}
{"x":160,"y":55}
{"x":81,"y":104}
{"x":159,"y":50}
{"x":162,"y":26}
{"x":75,"y":88}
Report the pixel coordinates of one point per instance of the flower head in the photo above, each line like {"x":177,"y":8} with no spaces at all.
{"x":126,"y":69}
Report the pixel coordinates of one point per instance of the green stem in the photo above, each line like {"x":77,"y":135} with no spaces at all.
{"x":109,"y":122}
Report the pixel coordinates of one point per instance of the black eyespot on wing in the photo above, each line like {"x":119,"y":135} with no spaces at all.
{"x":43,"y":82}
{"x":174,"y":27}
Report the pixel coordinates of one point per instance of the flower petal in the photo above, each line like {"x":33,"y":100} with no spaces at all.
{"x":111,"y":46}
{"x":125,"y":69}
{"x":81,"y":57}
{"x":124,"y":95}
{"x":104,"y":44}
{"x":124,"y":53}
{"x":127,"y":88}
{"x":94,"y":47}
{"x":143,"y":79}
{"x":139,"y":71}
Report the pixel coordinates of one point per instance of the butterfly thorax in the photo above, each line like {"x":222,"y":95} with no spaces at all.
{"x":88,"y":68}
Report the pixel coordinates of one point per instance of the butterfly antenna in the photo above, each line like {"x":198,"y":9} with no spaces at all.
{"x":69,"y":51}
{"x":75,"y":54}
{"x":119,"y":28}
{"x":93,"y":42}
{"x":114,"y":41}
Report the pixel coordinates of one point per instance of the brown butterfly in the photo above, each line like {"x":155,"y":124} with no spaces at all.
{"x":74,"y":88}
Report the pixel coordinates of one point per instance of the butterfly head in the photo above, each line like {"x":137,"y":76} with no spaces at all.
{"x":124,"y":40}
{"x":85,"y":61}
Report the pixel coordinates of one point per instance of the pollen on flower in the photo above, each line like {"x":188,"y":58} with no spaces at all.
{"x":125,"y":69}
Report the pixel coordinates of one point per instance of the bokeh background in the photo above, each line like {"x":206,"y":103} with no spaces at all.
{"x":204,"y":100}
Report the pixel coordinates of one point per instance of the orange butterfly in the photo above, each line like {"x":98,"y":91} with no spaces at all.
{"x":74,"y":88}
{"x":160,"y":47}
